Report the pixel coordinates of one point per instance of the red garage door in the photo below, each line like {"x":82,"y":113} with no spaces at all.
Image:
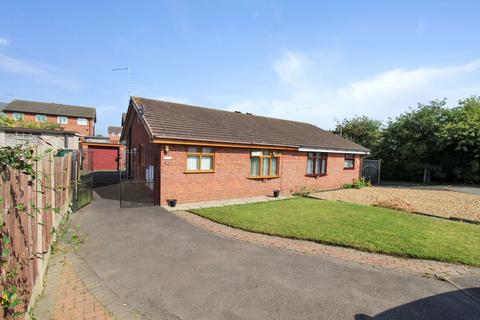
{"x":104,"y":158}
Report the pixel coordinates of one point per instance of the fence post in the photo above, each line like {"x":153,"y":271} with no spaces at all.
{"x":379,"y":170}
{"x":39,"y":205}
{"x":51,"y":192}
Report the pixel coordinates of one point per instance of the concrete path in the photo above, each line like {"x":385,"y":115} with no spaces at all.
{"x":169,"y":269}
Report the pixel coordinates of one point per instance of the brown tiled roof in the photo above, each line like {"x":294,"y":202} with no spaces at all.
{"x":114,"y":130}
{"x":50,"y":108}
{"x":180,"y":121}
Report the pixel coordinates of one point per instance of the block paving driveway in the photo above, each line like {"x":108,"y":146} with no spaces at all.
{"x":167,"y":268}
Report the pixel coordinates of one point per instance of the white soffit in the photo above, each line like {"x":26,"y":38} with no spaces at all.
{"x":332,"y":151}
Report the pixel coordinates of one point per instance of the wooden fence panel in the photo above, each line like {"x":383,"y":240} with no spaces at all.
{"x":29,"y":217}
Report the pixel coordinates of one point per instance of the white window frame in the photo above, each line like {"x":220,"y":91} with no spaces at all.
{"x":62,"y":122}
{"x":18,"y":116}
{"x":82,"y":121}
{"x":37,"y":116}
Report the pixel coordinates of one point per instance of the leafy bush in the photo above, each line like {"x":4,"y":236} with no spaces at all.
{"x":358,"y":184}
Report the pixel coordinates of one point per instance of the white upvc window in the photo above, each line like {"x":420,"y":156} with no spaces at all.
{"x":82,"y":121}
{"x":62,"y":120}
{"x":18,"y":116}
{"x":41,"y":118}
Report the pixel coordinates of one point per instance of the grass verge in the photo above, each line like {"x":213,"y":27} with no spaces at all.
{"x":357,"y":226}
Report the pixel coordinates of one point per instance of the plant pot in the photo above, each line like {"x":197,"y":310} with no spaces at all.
{"x":172,"y":202}
{"x":276,"y":193}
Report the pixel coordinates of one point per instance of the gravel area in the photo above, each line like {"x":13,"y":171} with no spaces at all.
{"x":435,"y":202}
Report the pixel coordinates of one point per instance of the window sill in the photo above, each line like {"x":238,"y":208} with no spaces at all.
{"x":316,"y":175}
{"x":199,"y":171}
{"x":349,"y":168}
{"x":262,"y":178}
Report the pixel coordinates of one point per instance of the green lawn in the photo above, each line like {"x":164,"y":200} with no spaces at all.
{"x":358,"y":226}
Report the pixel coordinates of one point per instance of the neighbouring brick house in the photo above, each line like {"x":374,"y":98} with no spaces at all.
{"x":114,"y":134}
{"x":204,"y":154}
{"x":70,"y":118}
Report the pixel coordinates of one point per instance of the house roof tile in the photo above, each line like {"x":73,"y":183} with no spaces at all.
{"x":169,"y":120}
{"x":112,"y":129}
{"x":50,"y":108}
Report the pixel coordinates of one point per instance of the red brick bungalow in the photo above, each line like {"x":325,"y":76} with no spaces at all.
{"x":204,"y":154}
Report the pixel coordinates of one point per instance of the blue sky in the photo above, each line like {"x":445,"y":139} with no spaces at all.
{"x":310,"y":61}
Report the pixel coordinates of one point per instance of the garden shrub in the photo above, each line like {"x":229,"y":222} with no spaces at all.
{"x":357,"y":184}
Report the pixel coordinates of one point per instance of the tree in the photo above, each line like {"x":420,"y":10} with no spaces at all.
{"x":362,"y":130}
{"x":461,"y":138}
{"x":411,"y":142}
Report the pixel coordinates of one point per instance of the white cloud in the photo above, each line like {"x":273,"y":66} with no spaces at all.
{"x":4,"y":42}
{"x":396,"y":82}
{"x":290,"y":67}
{"x":38,"y":72}
{"x":384,"y":95}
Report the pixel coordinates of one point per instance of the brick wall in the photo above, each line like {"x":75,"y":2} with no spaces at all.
{"x":140,"y":140}
{"x":231,"y":176}
{"x":88,"y":130}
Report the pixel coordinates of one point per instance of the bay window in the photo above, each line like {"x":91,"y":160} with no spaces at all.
{"x":200,"y":159}
{"x":316,"y":163}
{"x":264,"y":164}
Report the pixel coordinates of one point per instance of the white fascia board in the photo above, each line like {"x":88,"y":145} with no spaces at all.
{"x":332,"y":151}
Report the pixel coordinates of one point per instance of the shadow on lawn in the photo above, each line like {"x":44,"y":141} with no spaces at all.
{"x":450,"y":305}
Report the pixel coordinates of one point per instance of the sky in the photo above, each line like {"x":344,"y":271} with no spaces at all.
{"x":311,"y":61}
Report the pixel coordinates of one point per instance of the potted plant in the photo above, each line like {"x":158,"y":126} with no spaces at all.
{"x":172,"y":202}
{"x":276,"y":193}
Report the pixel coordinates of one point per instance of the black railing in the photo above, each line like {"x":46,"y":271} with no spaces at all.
{"x":140,"y":183}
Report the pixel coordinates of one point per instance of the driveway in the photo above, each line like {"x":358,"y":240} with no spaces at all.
{"x":169,"y":269}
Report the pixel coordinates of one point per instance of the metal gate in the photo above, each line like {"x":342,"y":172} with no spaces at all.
{"x":140,"y":182}
{"x":371,"y":170}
